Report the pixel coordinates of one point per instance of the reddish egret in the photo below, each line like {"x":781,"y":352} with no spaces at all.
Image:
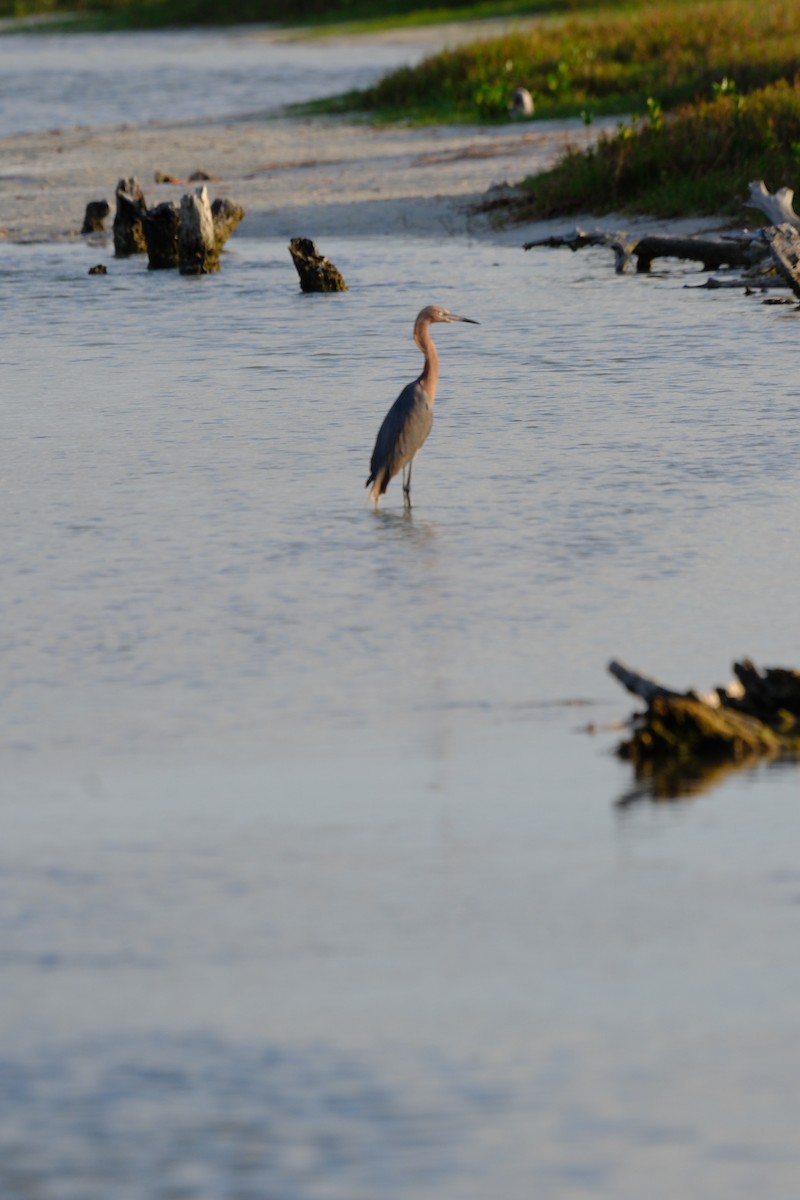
{"x":408,"y":422}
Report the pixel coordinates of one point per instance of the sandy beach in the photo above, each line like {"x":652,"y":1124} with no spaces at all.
{"x":294,"y":176}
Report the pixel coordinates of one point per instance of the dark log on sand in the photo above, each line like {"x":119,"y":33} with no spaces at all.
{"x":316,"y":273}
{"x":95,"y":215}
{"x":681,"y":739}
{"x":128,"y":231}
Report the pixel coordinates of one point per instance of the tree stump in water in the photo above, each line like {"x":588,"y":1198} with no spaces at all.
{"x":197,"y":252}
{"x":682,"y":739}
{"x":95,"y":215}
{"x":161,"y":226}
{"x":128,"y":230}
{"x":204,"y":229}
{"x":316,"y":273}
{"x":226,"y":215}
{"x":189,"y":235}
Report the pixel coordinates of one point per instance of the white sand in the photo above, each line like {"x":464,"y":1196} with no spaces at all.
{"x":294,"y":177}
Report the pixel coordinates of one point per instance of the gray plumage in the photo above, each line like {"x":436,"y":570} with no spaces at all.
{"x":408,"y":422}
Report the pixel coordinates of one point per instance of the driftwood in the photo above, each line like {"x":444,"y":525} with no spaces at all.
{"x":188,"y":236}
{"x":226,"y":215}
{"x":577,"y":238}
{"x":777,"y":206}
{"x":684,"y":740}
{"x":768,"y":257}
{"x":161,"y":225}
{"x":95,"y":215}
{"x":203,"y":230}
{"x":713,"y":253}
{"x":784,"y":246}
{"x":197,"y":253}
{"x":317,"y":273}
{"x":128,"y":230}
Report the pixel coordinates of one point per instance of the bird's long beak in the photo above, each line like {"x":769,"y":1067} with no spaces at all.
{"x":469,"y":320}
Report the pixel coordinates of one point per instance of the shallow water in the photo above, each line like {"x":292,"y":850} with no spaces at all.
{"x":93,"y":79}
{"x":310,"y":885}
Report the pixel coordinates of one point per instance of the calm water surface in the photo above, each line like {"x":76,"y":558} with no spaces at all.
{"x":310,"y":886}
{"x":47,"y":81}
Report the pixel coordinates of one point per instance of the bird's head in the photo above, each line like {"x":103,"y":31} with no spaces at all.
{"x":435,"y":313}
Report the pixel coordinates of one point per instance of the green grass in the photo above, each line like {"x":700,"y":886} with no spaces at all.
{"x":698,"y":160}
{"x":340,"y":15}
{"x":600,"y":64}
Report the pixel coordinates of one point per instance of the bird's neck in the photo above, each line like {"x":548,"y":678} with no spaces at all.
{"x":430,"y":372}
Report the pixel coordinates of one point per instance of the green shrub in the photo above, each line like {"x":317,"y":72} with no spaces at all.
{"x":700,"y":159}
{"x":606,"y":63}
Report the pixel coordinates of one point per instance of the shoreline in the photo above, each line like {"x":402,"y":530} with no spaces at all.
{"x":295,"y":176}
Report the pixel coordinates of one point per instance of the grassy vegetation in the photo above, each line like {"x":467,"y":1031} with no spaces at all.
{"x":697,"y":160}
{"x":353,"y":15}
{"x":603,"y":63}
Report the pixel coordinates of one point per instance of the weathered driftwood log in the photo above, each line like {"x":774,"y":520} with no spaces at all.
{"x":713,"y":253}
{"x":639,"y":685}
{"x":757,"y":254}
{"x":777,"y":206}
{"x":770,"y":693}
{"x":197,"y":250}
{"x":161,"y":226}
{"x":784,"y":246}
{"x":742,"y":251}
{"x":163,"y":233}
{"x":316,"y":273}
{"x":128,"y":231}
{"x":95,"y":215}
{"x":226,"y":215}
{"x":681,"y":735}
{"x":577,"y":238}
{"x":203,"y":230}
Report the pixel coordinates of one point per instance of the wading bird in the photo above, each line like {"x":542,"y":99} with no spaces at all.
{"x":408,"y":422}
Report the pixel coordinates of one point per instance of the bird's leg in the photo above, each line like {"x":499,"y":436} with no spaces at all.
{"x":407,"y":483}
